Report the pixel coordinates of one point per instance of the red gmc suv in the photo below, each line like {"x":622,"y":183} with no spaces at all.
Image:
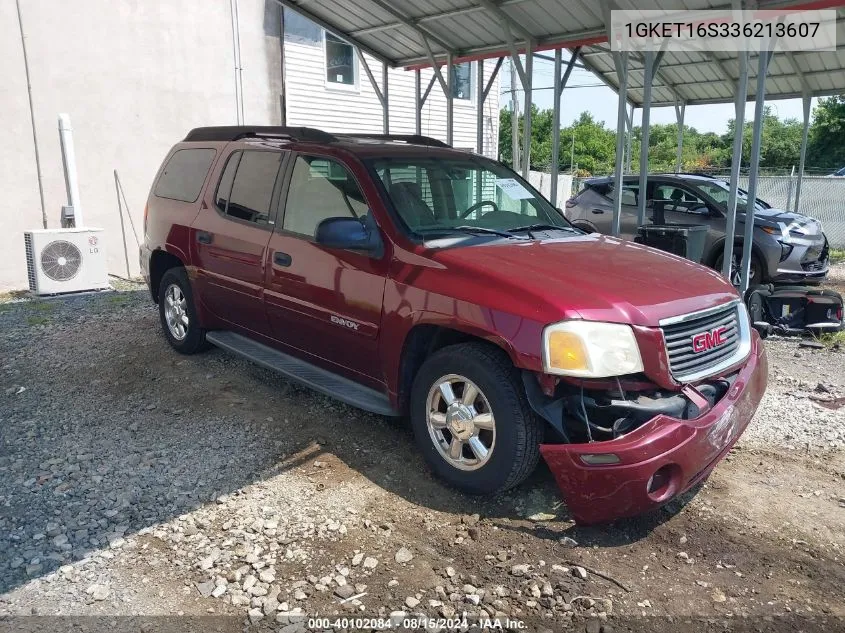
{"x":404,"y":277}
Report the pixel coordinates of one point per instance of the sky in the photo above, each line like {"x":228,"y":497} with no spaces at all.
{"x":602,"y":102}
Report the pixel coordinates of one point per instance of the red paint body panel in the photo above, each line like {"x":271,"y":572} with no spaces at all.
{"x":505,"y":292}
{"x":595,"y":494}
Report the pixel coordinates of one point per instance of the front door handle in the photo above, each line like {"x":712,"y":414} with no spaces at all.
{"x":203,"y":237}
{"x":282,"y":259}
{"x":598,"y":211}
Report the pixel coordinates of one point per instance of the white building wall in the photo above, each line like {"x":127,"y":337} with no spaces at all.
{"x":136,"y":75}
{"x":312,"y":101}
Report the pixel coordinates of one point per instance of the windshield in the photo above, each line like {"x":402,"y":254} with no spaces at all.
{"x":437,"y":196}
{"x":719,"y":192}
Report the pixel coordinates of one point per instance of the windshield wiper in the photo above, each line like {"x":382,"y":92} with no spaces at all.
{"x":473,"y":229}
{"x":542,"y":227}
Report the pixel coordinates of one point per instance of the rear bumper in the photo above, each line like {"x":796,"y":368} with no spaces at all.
{"x":684,"y":451}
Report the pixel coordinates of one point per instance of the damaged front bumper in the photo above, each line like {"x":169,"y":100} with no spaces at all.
{"x":662,"y":458}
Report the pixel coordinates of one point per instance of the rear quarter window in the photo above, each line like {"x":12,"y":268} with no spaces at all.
{"x":184,"y":174}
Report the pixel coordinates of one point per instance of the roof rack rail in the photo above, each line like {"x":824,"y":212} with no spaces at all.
{"x":411,"y":139}
{"x":235,"y":132}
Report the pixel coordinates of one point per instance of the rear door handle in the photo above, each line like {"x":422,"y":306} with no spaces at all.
{"x":598,"y":211}
{"x":282,"y":259}
{"x":203,"y":237}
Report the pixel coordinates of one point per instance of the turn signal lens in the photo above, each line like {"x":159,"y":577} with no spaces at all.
{"x":590,"y":349}
{"x":770,"y":230}
{"x":567,"y":352}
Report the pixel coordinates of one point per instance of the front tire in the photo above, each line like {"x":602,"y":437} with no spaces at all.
{"x":757,"y":276}
{"x":472,"y":421}
{"x":178,"y":313}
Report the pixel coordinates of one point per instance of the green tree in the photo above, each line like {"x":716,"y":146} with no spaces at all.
{"x":826,"y":145}
{"x":595,"y":144}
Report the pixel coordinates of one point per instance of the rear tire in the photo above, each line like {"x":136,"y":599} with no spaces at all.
{"x":499,"y":419}
{"x":178,"y":314}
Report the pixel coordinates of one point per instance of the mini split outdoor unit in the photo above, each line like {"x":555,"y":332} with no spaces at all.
{"x":65,"y":260}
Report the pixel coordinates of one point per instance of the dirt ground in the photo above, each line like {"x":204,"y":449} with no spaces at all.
{"x":134,"y":481}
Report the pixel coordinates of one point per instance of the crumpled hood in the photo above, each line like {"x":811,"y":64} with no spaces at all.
{"x":594,"y":277}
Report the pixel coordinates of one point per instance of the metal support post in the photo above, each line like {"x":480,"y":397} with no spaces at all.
{"x":417,"y":102}
{"x":648,"y":76}
{"x":479,"y":113}
{"x":514,"y":120}
{"x":804,"y":134}
{"x":385,"y":104}
{"x":630,"y":140}
{"x":450,"y":101}
{"x":526,"y":118}
{"x":736,"y":161}
{"x":554,"y":168}
{"x":621,"y":61}
{"x":759,"y":102}
{"x":560,"y":84}
{"x":679,"y":116}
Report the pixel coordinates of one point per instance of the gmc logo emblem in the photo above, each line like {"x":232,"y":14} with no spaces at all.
{"x":708,"y":340}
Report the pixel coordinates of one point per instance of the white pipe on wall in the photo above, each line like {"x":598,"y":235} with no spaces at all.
{"x":69,"y":165}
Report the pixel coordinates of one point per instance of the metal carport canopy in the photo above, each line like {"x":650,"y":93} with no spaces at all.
{"x":420,"y":33}
{"x":402,"y":32}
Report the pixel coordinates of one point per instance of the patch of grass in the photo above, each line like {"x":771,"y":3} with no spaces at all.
{"x":837,"y":255}
{"x":832,"y":338}
{"x":42,"y":306}
{"x":37,"y":320}
{"x":117,"y":298}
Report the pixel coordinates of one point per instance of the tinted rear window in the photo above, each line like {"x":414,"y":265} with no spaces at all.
{"x":184,"y":174}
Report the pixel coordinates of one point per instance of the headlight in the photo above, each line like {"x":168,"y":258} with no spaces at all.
{"x":587,"y":349}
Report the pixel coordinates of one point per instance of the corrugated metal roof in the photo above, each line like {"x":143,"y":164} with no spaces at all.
{"x":401,"y":33}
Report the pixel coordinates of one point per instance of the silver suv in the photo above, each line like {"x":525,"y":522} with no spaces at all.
{"x":787,"y":246}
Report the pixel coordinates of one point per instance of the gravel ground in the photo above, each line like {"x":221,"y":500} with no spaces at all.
{"x":137,"y":481}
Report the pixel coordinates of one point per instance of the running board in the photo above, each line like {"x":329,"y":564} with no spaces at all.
{"x":304,"y":373}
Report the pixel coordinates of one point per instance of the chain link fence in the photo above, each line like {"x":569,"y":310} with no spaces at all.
{"x":822,"y":198}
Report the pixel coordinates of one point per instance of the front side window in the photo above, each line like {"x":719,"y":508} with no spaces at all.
{"x":340,"y":61}
{"x":462,"y":81}
{"x":320,"y":188}
{"x":246,"y":186}
{"x":680,"y":200}
{"x":720,"y":192}
{"x":436,"y":196}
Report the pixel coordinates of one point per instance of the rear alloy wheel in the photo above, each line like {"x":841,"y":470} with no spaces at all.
{"x":472,"y":421}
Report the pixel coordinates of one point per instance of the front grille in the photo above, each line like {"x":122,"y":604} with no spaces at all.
{"x":688,"y":364}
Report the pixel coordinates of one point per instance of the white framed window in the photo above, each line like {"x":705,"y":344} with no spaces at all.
{"x":341,"y":63}
{"x":463,"y":82}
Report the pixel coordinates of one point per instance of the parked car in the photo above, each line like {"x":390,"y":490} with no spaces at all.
{"x":786,"y":247}
{"x":839,"y":173}
{"x":407,"y":278}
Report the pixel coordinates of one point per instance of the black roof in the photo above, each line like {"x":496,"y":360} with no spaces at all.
{"x":305,"y":134}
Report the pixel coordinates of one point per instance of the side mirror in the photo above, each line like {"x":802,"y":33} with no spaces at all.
{"x":348,"y":233}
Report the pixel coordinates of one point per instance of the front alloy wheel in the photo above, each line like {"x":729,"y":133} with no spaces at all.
{"x":471,"y":418}
{"x":460,"y":422}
